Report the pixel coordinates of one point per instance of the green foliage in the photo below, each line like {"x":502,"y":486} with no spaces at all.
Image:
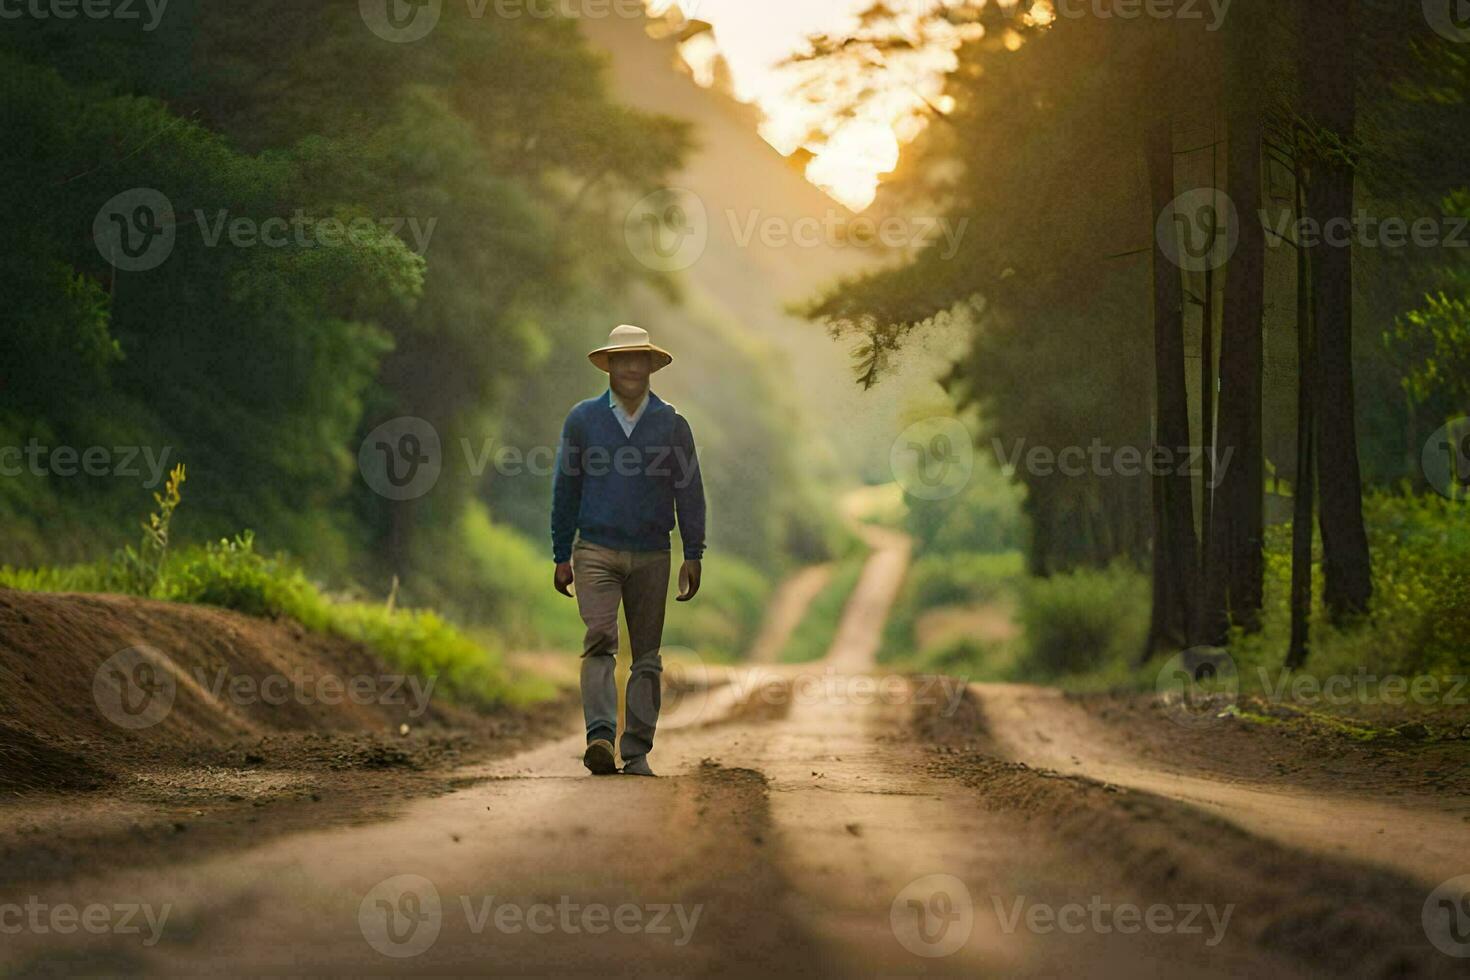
{"x":1420,"y":545}
{"x":722,"y":622}
{"x":1435,"y":340}
{"x":1082,"y":620}
{"x":954,"y":579}
{"x":984,"y":517}
{"x":230,"y":573}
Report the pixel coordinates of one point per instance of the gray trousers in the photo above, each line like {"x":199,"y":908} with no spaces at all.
{"x":640,"y":581}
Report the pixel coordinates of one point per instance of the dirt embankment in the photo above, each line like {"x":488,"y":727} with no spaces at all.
{"x":161,"y":717}
{"x":1346,"y":912}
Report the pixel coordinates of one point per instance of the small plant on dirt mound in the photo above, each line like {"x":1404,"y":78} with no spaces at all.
{"x":140,"y":571}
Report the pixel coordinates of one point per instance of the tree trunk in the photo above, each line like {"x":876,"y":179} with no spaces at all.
{"x":1329,"y":77}
{"x":1301,"y":519}
{"x":1237,"y":530}
{"x":1175,"y":546}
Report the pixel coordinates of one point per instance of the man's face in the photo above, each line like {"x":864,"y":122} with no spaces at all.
{"x":629,"y":371}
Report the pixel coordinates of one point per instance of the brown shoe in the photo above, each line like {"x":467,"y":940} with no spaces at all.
{"x":599,"y":758}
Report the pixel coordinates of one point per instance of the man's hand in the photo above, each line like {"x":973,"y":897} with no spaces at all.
{"x":563,"y":578}
{"x":688,"y":581}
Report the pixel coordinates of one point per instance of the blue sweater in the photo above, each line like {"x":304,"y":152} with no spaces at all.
{"x":622,"y":491}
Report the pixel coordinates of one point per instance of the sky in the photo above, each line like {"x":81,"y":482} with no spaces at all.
{"x":754,"y":36}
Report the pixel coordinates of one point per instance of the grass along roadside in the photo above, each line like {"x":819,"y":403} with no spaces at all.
{"x":1082,"y":631}
{"x":232,"y":574}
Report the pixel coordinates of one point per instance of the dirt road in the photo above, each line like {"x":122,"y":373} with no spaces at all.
{"x":819,"y":818}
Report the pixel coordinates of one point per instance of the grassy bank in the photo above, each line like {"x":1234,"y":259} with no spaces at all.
{"x":1084,"y":630}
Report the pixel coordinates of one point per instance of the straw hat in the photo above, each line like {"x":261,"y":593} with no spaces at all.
{"x":629,"y":337}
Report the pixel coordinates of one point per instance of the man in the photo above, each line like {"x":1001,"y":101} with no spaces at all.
{"x":626,"y":466}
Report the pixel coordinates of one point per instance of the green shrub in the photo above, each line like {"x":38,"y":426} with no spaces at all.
{"x":722,"y":622}
{"x":1420,"y":620}
{"x":231,"y":574}
{"x":1082,"y":620}
{"x":963,"y":577}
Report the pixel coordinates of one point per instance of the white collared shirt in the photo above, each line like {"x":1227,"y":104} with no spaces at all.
{"x":626,"y":420}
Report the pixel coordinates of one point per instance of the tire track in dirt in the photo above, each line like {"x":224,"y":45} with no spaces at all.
{"x":1042,"y":728}
{"x":1330,"y":915}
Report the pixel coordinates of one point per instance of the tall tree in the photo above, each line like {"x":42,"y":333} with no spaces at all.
{"x":1235,"y":564}
{"x":1176,"y":547}
{"x":1329,"y":83}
